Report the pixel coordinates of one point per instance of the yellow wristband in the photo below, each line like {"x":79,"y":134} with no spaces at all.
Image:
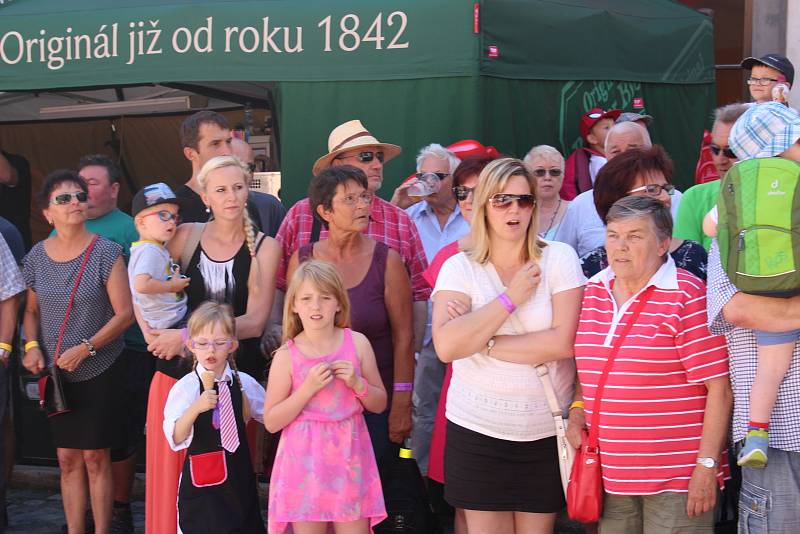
{"x":31,"y":345}
{"x":576,"y":404}
{"x":6,"y":346}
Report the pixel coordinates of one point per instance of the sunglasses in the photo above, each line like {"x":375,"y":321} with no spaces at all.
{"x":166,"y":216}
{"x":503,"y":201}
{"x":463,"y":192}
{"x":366,"y":156}
{"x":66,"y":198}
{"x":654,"y":190}
{"x":440,"y":175}
{"x":726,"y":151}
{"x":217,"y":344}
{"x":541,"y":173}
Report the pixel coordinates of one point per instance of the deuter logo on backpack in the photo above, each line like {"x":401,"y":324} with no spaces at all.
{"x":775,"y":191}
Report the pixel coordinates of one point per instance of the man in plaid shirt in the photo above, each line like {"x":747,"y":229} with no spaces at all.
{"x":351,"y":144}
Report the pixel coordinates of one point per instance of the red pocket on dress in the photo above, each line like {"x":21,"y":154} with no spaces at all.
{"x":208,"y":469}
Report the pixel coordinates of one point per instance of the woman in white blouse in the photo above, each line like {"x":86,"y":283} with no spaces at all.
{"x":508,"y":302}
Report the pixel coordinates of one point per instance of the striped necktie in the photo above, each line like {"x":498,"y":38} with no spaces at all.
{"x":229,"y":435}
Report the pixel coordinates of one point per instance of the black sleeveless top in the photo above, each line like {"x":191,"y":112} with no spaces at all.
{"x":222,"y":281}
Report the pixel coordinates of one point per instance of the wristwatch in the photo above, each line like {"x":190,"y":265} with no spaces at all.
{"x":490,"y":346}
{"x":708,"y":462}
{"x":92,"y":350}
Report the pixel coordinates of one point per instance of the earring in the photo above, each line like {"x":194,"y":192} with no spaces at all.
{"x":208,"y":209}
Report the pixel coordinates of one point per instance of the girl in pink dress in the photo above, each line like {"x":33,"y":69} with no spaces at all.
{"x":320,"y":382}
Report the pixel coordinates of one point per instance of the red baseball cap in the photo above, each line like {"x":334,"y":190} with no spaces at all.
{"x":593,"y":116}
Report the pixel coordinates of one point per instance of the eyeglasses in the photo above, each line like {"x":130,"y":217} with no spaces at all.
{"x":654,"y":190}
{"x":366,"y":156}
{"x":165,"y":216}
{"x":726,"y":151}
{"x":218,"y":344}
{"x":503,"y":201}
{"x":463,"y":192}
{"x":760,"y":81}
{"x":352,"y":200}
{"x":440,"y":175}
{"x":66,"y":198}
{"x":541,"y":173}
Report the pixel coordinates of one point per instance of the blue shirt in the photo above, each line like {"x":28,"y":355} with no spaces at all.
{"x":433,"y":236}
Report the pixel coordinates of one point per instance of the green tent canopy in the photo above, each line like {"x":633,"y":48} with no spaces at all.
{"x":511,"y":73}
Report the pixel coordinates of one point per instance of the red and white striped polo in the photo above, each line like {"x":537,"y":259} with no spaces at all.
{"x":651,"y":417}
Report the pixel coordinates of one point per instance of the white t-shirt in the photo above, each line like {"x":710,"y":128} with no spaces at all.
{"x":501,"y":399}
{"x":160,"y":310}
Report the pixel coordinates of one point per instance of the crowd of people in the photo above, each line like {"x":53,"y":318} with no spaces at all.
{"x":492,"y":322}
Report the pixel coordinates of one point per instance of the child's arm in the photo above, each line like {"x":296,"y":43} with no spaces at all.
{"x":147,"y":285}
{"x":254,"y":396}
{"x":182,"y":409}
{"x":710,"y":223}
{"x":281,"y":406}
{"x":370,"y":379}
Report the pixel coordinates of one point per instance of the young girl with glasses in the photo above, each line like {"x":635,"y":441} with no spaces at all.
{"x":206,"y":413}
{"x":320,"y":382}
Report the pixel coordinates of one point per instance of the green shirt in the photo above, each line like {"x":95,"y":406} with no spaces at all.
{"x":696,"y":202}
{"x":119,"y":228}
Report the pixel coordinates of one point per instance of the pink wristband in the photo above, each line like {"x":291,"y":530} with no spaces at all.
{"x":403,"y":386}
{"x":506,"y":302}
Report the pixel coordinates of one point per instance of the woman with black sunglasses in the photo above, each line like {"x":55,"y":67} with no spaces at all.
{"x":78,"y":306}
{"x":504,"y":305}
{"x":547,"y":165}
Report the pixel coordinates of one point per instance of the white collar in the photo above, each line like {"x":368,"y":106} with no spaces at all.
{"x":666,"y":277}
{"x":227,"y":374}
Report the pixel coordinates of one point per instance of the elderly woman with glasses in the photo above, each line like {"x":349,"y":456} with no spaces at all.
{"x":78,"y":306}
{"x":379,"y":288}
{"x":641,"y":172}
{"x":662,"y":415}
{"x":547,"y":165}
{"x":508,"y":302}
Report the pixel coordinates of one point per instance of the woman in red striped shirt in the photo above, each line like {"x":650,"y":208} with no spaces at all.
{"x":665,"y":410}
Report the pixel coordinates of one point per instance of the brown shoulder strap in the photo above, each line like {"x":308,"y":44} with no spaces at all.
{"x":192,"y":240}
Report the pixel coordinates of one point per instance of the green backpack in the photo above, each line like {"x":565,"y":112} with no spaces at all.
{"x":759,"y":226}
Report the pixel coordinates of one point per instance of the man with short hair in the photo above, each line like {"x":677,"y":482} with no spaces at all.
{"x":581,"y":227}
{"x":352,"y":144}
{"x":582,"y":165}
{"x":765,"y":73}
{"x":11,"y":286}
{"x":269,"y":209}
{"x":104,"y":218}
{"x":699,"y":199}
{"x":439,"y":222}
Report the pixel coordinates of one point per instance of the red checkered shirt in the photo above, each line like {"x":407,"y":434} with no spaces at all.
{"x":387,"y":223}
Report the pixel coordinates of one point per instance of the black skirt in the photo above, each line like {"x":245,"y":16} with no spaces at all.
{"x":94,"y":420}
{"x":490,"y":474}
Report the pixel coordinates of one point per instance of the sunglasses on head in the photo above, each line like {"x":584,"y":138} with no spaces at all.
{"x":166,"y":216}
{"x":541,"y":173}
{"x":366,"y":156}
{"x":66,"y":198}
{"x":503,"y":201}
{"x":595,"y":115}
{"x":726,"y":151}
{"x":462,"y":192}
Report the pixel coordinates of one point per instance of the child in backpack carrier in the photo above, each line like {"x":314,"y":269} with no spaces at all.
{"x":765,"y":138}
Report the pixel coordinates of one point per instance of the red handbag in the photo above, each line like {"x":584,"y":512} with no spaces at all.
{"x":585,"y":489}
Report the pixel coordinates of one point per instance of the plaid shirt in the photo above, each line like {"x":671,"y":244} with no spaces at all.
{"x":784,"y":432}
{"x":387,"y":223}
{"x":11,"y":283}
{"x":764,"y":131}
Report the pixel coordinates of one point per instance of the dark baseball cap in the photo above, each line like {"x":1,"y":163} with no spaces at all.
{"x":153,"y":195}
{"x":776,"y":61}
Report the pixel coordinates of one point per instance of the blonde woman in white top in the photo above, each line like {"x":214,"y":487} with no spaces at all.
{"x":501,"y":464}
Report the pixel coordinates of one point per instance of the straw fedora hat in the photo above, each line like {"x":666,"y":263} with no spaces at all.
{"x":348,"y":136}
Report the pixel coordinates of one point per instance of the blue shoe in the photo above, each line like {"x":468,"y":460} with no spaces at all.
{"x":754,"y":452}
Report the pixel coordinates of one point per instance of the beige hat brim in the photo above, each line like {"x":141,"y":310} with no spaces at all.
{"x":390,"y":151}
